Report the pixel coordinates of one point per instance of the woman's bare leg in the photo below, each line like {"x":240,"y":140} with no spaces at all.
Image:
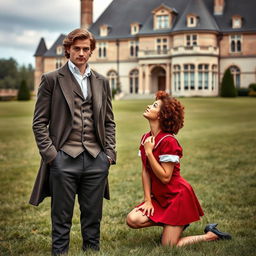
{"x":209,"y":236}
{"x":136,"y":219}
{"x":172,"y":237}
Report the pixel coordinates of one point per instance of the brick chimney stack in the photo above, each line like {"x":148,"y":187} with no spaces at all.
{"x":86,"y":13}
{"x":219,"y":7}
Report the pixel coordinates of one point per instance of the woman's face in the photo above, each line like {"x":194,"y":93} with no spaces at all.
{"x":152,"y":111}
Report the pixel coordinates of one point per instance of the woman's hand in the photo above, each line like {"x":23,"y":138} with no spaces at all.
{"x":149,"y":144}
{"x":147,"y":207}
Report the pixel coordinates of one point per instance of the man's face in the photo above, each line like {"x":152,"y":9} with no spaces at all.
{"x":80,"y":52}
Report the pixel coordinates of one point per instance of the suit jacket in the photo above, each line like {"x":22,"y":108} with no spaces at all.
{"x":53,"y":119}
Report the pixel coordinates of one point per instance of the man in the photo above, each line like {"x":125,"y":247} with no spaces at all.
{"x":75,"y":132}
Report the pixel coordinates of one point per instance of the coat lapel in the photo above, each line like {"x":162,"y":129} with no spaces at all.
{"x":66,"y":82}
{"x":96,"y":87}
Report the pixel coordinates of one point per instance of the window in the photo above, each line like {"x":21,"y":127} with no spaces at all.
{"x":176,"y":73}
{"x":235,"y":71}
{"x":104,"y":30}
{"x":191,"y":40}
{"x":102,"y":50}
{"x":162,"y":21}
{"x":162,"y":45}
{"x":112,"y":78}
{"x":235,"y":43}
{"x":58,"y":63}
{"x":189,"y":76}
{"x":59,"y":50}
{"x":134,"y":81}
{"x":134,"y":48}
{"x":236,"y":22}
{"x":214,"y":76}
{"x":203,"y":76}
{"x":191,"y":21}
{"x":135,"y":28}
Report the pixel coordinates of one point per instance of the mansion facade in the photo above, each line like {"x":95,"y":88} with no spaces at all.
{"x":181,"y":46}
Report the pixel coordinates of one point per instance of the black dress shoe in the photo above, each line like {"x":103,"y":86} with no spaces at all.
{"x":221,"y":235}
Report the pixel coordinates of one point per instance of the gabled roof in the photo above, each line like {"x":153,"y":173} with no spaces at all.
{"x":41,"y":48}
{"x":164,"y":6}
{"x":198,"y":8}
{"x":52,"y":51}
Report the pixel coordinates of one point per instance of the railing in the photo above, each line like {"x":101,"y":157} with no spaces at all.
{"x":179,"y":50}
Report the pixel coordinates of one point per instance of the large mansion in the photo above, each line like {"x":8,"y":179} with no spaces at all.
{"x":182,"y":46}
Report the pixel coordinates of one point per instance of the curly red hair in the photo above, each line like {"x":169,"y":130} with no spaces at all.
{"x":171,"y":113}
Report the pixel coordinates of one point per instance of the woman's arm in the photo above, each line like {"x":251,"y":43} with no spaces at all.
{"x":163,"y":171}
{"x":146,"y":182}
{"x":147,"y":207}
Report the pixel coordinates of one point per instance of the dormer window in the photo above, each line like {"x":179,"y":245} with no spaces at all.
{"x":163,"y":21}
{"x":191,"y":21}
{"x":236,"y":21}
{"x":135,"y":28}
{"x":59,"y":50}
{"x":163,"y":17}
{"x":104,"y":29}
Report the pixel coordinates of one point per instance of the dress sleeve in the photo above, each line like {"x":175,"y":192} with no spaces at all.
{"x":170,"y":151}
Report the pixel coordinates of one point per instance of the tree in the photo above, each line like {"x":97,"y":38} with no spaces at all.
{"x":11,"y":74}
{"x":23,"y":93}
{"x":227,"y":85}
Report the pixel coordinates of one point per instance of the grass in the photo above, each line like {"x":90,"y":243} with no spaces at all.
{"x":219,"y":140}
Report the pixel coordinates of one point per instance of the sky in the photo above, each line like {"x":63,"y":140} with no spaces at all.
{"x":24,"y":22}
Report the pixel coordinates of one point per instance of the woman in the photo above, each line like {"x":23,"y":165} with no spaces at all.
{"x":169,"y":200}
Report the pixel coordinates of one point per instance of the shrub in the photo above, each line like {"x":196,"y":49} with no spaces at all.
{"x":252,"y":87}
{"x":242,"y":91}
{"x":23,"y":93}
{"x":227,"y":85}
{"x":252,"y":93}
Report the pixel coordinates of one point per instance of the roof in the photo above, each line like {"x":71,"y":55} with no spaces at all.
{"x":121,"y":13}
{"x":52,"y":51}
{"x":41,"y":48}
{"x":206,"y":20}
{"x":244,"y":8}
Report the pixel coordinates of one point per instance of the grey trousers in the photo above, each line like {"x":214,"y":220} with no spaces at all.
{"x":85,"y":176}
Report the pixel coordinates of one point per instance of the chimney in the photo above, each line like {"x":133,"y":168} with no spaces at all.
{"x":219,"y":7}
{"x":86,"y":13}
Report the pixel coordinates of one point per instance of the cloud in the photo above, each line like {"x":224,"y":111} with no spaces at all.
{"x":24,"y":22}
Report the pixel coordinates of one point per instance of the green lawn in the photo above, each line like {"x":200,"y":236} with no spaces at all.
{"x":219,"y":143}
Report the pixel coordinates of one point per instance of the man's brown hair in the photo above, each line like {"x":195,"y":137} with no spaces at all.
{"x":78,"y":34}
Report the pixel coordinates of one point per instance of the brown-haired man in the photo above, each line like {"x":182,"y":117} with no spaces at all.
{"x":75,"y":132}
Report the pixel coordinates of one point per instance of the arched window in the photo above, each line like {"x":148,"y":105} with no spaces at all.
{"x":235,"y":43}
{"x":134,"y":81}
{"x":189,"y":76}
{"x":134,"y":48}
{"x":235,"y":71}
{"x":102,"y":50}
{"x":112,"y":78}
{"x":58,"y":63}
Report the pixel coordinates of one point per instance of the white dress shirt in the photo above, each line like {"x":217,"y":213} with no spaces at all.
{"x":81,"y":79}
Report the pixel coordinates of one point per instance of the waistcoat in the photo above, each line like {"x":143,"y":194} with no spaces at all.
{"x":82,"y":135}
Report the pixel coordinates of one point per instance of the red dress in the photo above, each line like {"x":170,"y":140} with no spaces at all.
{"x":174,"y":203}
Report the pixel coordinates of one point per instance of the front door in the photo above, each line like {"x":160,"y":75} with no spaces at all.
{"x":161,"y":83}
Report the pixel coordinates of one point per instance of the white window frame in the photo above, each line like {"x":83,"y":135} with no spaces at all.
{"x":236,"y":40}
{"x":191,"y":40}
{"x":162,"y":21}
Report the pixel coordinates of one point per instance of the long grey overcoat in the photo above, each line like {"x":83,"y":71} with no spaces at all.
{"x":53,"y":119}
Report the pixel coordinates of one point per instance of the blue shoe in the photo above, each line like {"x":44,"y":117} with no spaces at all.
{"x":221,"y":235}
